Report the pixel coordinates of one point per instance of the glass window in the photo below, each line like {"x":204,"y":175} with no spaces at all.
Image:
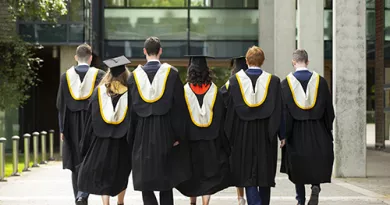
{"x":328,"y":26}
{"x":221,"y":49}
{"x":224,"y":24}
{"x":49,"y":33}
{"x":76,"y":33}
{"x":387,"y":4}
{"x":134,"y":49}
{"x":76,"y":10}
{"x":370,"y":24}
{"x":116,"y":3}
{"x":387,"y":25}
{"x":370,"y":4}
{"x":138,"y":24}
{"x":225,"y":3}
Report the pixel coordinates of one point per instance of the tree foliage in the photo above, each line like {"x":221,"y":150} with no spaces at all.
{"x":18,"y":64}
{"x":43,"y":10}
{"x":18,"y":68}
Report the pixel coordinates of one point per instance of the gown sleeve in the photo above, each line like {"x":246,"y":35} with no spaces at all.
{"x":180,"y":116}
{"x":329,"y":110}
{"x":276,"y":117}
{"x":61,"y":107}
{"x":88,"y":135}
{"x":133,"y":119}
{"x":224,"y":94}
{"x":229,"y":114}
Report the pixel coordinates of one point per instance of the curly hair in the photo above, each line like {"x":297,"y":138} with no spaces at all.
{"x":199,"y":78}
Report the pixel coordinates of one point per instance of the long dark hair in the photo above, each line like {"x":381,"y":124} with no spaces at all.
{"x":199,"y":78}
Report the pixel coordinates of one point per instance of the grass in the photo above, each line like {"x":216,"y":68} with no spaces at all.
{"x":9,"y":164}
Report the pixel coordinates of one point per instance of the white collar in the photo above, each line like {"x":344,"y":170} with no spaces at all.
{"x":255,"y":68}
{"x":82,"y":64}
{"x":301,"y":69}
{"x":153,"y":60}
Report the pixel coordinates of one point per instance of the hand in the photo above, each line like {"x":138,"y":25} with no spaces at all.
{"x":282,"y":143}
{"x":176,"y":143}
{"x":62,"y":136}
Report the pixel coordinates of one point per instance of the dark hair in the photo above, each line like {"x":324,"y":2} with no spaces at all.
{"x":199,"y":78}
{"x":152,"y":46}
{"x":83,"y":52}
{"x":300,"y":56}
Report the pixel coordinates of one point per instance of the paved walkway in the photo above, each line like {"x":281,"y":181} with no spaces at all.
{"x":51,"y":185}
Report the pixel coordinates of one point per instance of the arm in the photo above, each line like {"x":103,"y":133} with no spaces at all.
{"x":329,"y":110}
{"x":133,"y":119}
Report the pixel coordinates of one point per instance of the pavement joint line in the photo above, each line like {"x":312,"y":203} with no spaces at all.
{"x":362,"y":191}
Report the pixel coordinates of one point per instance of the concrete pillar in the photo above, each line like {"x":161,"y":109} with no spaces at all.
{"x":311,"y":32}
{"x":285,"y":36}
{"x":277,"y":34}
{"x":266,"y":33}
{"x":349,"y":88}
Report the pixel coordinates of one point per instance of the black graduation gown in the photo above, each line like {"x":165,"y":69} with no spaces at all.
{"x":106,"y":167}
{"x":252,"y":133}
{"x":308,"y":155}
{"x":72,"y":113}
{"x":209,"y":150}
{"x":154,"y":128}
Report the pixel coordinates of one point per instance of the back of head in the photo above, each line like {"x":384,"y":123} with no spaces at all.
{"x":300,"y":56}
{"x":84,"y":53}
{"x":152,"y":46}
{"x":255,"y":56}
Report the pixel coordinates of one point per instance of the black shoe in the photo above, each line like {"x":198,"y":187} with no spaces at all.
{"x":315,"y":192}
{"x":81,"y":201}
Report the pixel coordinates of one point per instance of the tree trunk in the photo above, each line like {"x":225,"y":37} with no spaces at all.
{"x":379,"y":75}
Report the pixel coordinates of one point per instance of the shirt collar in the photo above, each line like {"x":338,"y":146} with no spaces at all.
{"x":82,"y":64}
{"x":255,"y":68}
{"x":154,"y":60}
{"x":302,"y":69}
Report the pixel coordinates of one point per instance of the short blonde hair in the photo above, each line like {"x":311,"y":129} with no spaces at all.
{"x":255,"y":56}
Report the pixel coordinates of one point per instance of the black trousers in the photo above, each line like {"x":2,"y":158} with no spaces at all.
{"x":166,"y":198}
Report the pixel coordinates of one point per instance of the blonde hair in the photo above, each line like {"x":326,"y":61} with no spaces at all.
{"x":255,"y":56}
{"x":108,"y":79}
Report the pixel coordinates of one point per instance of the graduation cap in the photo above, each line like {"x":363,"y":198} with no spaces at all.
{"x":238,"y":63}
{"x":198,"y":62}
{"x":117,"y":65}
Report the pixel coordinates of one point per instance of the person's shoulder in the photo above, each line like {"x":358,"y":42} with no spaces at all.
{"x":101,"y":72}
{"x":173,"y":68}
{"x":275,"y":78}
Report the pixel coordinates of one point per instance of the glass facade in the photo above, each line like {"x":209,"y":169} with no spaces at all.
{"x":221,"y":28}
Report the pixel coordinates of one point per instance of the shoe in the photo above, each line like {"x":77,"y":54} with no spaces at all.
{"x":241,"y":201}
{"x":81,"y":201}
{"x":315,"y":192}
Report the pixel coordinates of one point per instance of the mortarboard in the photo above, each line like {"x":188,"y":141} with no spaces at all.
{"x":117,"y":65}
{"x":198,"y":62}
{"x":238,"y":63}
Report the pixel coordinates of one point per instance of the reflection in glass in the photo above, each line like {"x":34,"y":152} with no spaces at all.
{"x":44,"y":33}
{"x":225,"y":3}
{"x":76,"y":33}
{"x":224,"y":24}
{"x":134,"y":49}
{"x":387,"y":25}
{"x":76,"y":11}
{"x":167,"y":24}
{"x":115,"y":2}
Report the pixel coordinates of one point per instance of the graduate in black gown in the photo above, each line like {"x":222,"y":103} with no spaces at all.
{"x":160,"y":157}
{"x":76,"y":87}
{"x":107,"y":163}
{"x":236,"y":64}
{"x":209,"y":147}
{"x":252,"y":123}
{"x":307,"y":126}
